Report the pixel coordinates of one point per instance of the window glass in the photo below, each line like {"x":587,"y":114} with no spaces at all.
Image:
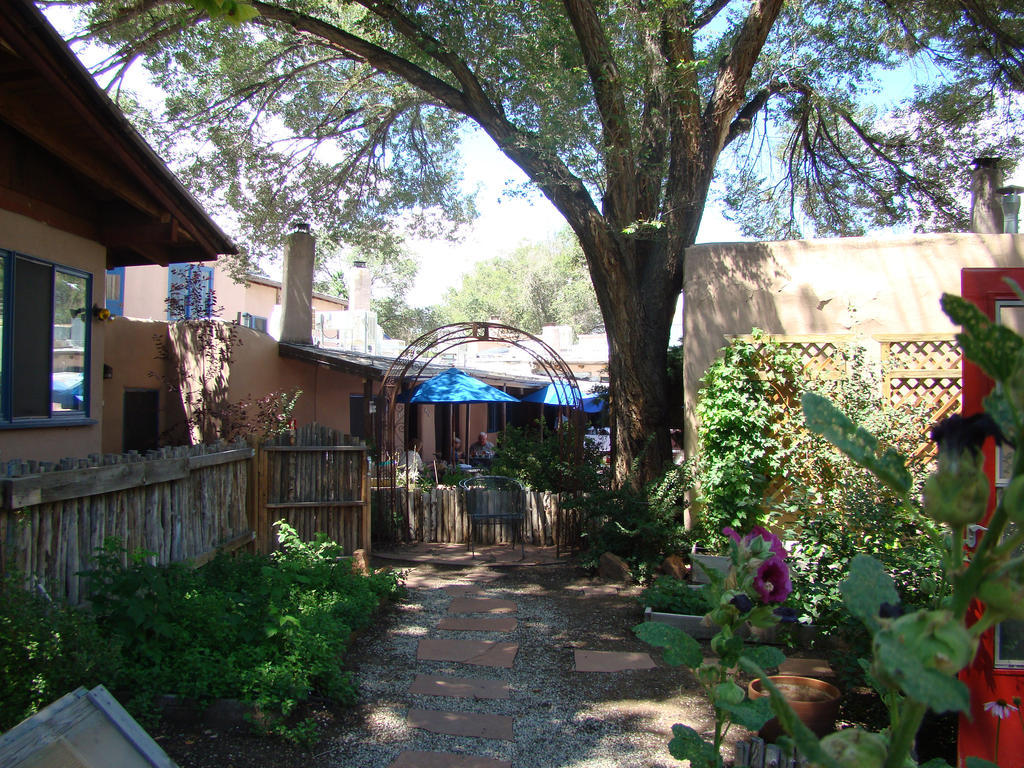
{"x":31,"y":316}
{"x":3,"y":288}
{"x":70,"y":326}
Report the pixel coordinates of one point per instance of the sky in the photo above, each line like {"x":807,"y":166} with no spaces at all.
{"x":505,"y":222}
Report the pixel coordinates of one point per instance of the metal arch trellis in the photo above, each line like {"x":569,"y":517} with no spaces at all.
{"x":413,"y":361}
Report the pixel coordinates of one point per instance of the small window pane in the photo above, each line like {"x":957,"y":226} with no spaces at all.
{"x":70,"y":319}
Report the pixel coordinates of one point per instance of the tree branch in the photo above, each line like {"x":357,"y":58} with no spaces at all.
{"x":620,"y":159}
{"x":734,"y":73}
{"x":362,"y":50}
{"x":744,"y":119}
{"x":708,"y":15}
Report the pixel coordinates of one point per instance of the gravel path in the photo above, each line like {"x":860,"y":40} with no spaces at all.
{"x":562,"y":717}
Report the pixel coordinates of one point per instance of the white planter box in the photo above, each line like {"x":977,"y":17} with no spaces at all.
{"x":709,"y":562}
{"x":694,"y":626}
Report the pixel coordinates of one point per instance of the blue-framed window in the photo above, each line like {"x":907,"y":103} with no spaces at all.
{"x":45,"y":339}
{"x":114,"y":294}
{"x":189,"y":292}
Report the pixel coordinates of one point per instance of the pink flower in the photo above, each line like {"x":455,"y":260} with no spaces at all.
{"x":999,"y":708}
{"x":772,"y":580}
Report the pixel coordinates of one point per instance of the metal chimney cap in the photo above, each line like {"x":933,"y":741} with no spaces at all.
{"x":1012,"y":189}
{"x":359,"y":264}
{"x":300,"y":226}
{"x":986,"y":162}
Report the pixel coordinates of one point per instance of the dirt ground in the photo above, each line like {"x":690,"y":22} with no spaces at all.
{"x":645,"y":703}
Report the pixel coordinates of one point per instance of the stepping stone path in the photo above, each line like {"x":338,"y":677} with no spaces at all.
{"x":488,"y":653}
{"x":468,"y":612}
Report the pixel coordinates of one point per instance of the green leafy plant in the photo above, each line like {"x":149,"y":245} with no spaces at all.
{"x":543,"y":460}
{"x":269,"y":630}
{"x":46,"y":650}
{"x":670,"y":595}
{"x":756,"y":583}
{"x":642,"y":527}
{"x":743,"y":404}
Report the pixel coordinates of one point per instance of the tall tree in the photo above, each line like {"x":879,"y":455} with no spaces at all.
{"x":618,"y":110}
{"x":538,"y":284}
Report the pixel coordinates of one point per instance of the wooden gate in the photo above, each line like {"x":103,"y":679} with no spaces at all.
{"x":316,"y":481}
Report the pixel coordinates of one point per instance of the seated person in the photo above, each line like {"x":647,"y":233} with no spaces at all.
{"x":457,"y":454}
{"x":481,"y":453}
{"x":411,"y":462}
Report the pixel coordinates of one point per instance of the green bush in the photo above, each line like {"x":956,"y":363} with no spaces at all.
{"x":669,"y":595}
{"x":546,"y":463}
{"x":742,"y":405}
{"x":640,"y":527}
{"x":46,"y":651}
{"x":271,"y":631}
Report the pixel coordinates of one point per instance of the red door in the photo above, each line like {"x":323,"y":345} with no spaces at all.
{"x":998,"y":670}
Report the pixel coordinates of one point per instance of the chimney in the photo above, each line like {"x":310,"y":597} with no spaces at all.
{"x":297,"y":281}
{"x":1010,"y":201}
{"x":986,"y":210}
{"x":359,"y":286}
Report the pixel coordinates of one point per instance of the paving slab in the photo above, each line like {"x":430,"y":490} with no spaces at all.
{"x":601,"y":590}
{"x":413,"y":759}
{"x":460,"y":590}
{"x":462,"y":687}
{"x":463,"y":724}
{"x":481,"y":624}
{"x":612,"y":661}
{"x":484,"y":653}
{"x":482,"y":605}
{"x":806,"y":668}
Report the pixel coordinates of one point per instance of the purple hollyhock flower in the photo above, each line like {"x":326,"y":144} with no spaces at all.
{"x":776,"y":543}
{"x":772,"y":580}
{"x":728,"y":531}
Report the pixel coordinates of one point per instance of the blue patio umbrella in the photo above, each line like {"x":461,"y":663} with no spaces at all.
{"x":563,"y":393}
{"x":455,"y":386}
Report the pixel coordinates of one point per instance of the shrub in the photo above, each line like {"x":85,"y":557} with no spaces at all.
{"x":271,"y":631}
{"x":46,"y":651}
{"x":543,"y":463}
{"x":742,"y":406}
{"x":640,"y":527}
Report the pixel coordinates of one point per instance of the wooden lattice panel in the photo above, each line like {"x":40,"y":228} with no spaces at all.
{"x":939,"y":395}
{"x":922,"y":353}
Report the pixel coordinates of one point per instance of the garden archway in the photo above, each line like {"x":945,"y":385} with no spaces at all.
{"x":411,"y":365}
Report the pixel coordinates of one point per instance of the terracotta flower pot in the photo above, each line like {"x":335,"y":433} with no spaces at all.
{"x":814,"y":701}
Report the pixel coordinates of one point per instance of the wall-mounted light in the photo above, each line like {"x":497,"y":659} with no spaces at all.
{"x":101,"y":314}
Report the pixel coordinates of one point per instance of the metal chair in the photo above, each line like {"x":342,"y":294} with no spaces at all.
{"x":483,"y":506}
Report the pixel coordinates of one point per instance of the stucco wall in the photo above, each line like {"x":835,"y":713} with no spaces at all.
{"x":857,"y":285}
{"x":33,"y":238}
{"x":256,"y":370}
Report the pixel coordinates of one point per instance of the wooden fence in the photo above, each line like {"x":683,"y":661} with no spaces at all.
{"x":318,"y":484}
{"x":179,"y":503}
{"x":439,"y":515}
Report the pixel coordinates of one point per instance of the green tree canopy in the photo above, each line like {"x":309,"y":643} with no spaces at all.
{"x":622,"y":113}
{"x":538,"y":284}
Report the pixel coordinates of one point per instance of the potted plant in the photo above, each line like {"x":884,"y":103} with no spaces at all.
{"x":814,"y":701}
